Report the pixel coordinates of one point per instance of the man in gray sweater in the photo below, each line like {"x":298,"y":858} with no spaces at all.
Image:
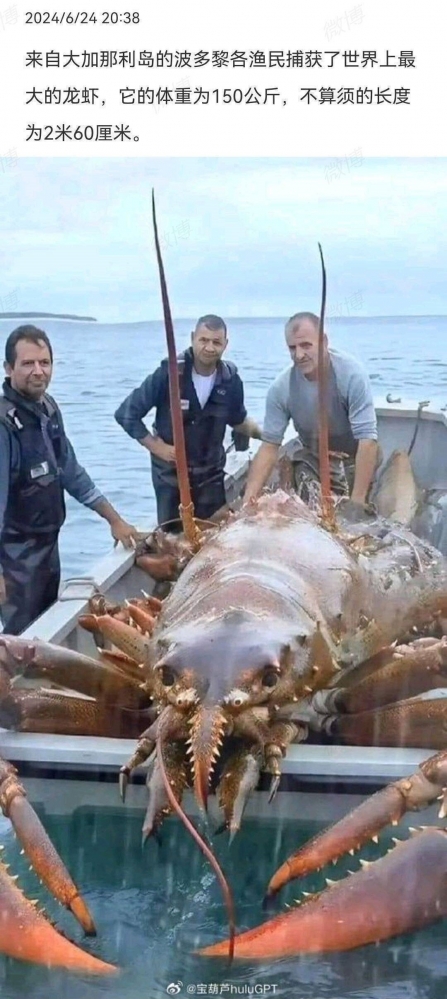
{"x":351,"y":415}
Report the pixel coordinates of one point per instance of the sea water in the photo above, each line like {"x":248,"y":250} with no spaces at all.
{"x":154,"y":906}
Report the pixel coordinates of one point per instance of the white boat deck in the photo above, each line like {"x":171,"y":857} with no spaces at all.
{"x":85,"y":753}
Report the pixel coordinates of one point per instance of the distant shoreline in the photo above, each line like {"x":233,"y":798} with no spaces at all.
{"x":47,"y":315}
{"x":335,"y":319}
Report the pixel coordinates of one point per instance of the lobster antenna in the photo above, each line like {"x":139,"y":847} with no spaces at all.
{"x":186,"y":508}
{"x":229,"y":902}
{"x":327,"y":503}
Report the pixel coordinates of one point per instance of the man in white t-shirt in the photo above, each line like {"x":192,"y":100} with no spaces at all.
{"x":212,"y":398}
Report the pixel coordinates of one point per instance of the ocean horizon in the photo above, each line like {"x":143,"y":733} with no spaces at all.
{"x":193,"y":319}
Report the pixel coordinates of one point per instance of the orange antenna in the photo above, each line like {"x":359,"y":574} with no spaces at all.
{"x":186,"y":508}
{"x":229,"y":902}
{"x":327,"y":503}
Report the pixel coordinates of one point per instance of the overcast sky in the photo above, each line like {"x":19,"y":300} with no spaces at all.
{"x":239,"y":236}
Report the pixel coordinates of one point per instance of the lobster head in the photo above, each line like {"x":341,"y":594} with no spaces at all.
{"x":231,"y":678}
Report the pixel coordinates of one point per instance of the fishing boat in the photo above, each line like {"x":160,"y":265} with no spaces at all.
{"x":88,"y":767}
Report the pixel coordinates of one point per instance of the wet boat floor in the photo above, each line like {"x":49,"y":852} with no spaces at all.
{"x":154,"y":905}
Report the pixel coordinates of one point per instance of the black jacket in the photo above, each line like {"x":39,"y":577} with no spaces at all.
{"x":204,"y":428}
{"x":36,"y":497}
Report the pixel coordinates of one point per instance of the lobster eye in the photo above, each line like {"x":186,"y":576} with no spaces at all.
{"x":167,"y":676}
{"x":270,"y":678}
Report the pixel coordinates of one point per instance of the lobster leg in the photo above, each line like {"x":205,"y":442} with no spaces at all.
{"x":420,"y":724}
{"x":162,"y":568}
{"x":61,"y":714}
{"x":283,"y":733}
{"x":146,"y":745}
{"x":39,"y":848}
{"x":126,"y":638}
{"x":152,"y":604}
{"x":128,"y":666}
{"x":240,"y":776}
{"x":178,"y":775}
{"x":68,"y":669}
{"x":364,"y":823}
{"x":399,"y":893}
{"x":411,"y":671}
{"x":142,"y":618}
{"x":12,"y":662}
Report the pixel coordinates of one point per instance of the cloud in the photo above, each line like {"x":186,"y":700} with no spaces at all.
{"x":239,"y":236}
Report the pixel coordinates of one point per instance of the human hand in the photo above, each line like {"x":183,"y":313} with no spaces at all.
{"x":124,"y":532}
{"x":164,"y":451}
{"x":249,"y":499}
{"x":256,"y":432}
{"x":355,"y":511}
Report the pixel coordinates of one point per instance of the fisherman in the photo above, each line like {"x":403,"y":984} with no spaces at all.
{"x":353,"y":446}
{"x":37,"y":463}
{"x":212,"y":398}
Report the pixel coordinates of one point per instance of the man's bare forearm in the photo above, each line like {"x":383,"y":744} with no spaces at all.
{"x":261,"y":469}
{"x":250,"y":428}
{"x":107,"y":511}
{"x":365,"y":466}
{"x":149,"y":442}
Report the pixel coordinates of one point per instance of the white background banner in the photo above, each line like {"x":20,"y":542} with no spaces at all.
{"x":234,"y":79}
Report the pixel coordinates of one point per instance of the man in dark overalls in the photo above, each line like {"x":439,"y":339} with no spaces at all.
{"x":37,"y":463}
{"x":212,"y":398}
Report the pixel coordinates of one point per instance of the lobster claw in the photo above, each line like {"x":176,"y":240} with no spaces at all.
{"x":28,"y":936}
{"x":401,"y":892}
{"x":39,"y":848}
{"x":428,"y":783}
